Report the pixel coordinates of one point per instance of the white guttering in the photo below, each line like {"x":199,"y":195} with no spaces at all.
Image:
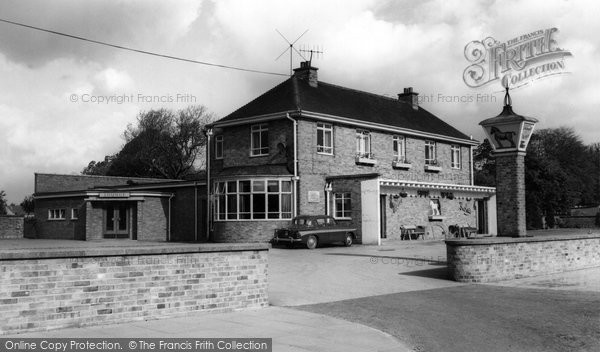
{"x":344,"y":120}
{"x":472,"y":166}
{"x":440,"y":186}
{"x":257,"y":118}
{"x":96,"y":195}
{"x":195,"y":212}
{"x":169,"y":219}
{"x":209,"y":133}
{"x":296,"y":178}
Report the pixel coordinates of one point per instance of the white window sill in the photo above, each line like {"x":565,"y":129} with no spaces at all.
{"x":401,"y":165}
{"x":436,"y":218}
{"x":324,"y":153}
{"x":342,"y":219}
{"x":258,"y":155}
{"x":365,"y":161}
{"x":57,"y":219}
{"x":433,"y":168}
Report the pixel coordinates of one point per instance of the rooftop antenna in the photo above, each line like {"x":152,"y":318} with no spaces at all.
{"x":315,"y":50}
{"x":291,"y":48}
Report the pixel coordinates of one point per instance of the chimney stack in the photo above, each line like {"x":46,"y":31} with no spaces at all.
{"x":307,"y":73}
{"x":410,"y":97}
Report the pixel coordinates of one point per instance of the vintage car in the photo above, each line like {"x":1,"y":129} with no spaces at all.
{"x":313,"y":230}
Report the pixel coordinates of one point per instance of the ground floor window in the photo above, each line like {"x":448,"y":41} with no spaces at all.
{"x":57,"y":214}
{"x":343,"y":205}
{"x":253,"y":199}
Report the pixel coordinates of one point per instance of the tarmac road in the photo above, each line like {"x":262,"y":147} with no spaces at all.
{"x":479,"y":318}
{"x":402,"y":289}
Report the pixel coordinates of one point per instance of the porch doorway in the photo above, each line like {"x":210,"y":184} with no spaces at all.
{"x":482,"y":215}
{"x":382,"y":216}
{"x":116,"y":221}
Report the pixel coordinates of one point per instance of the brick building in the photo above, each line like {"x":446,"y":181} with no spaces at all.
{"x":82,"y":207}
{"x":304,"y":147}
{"x":374,"y":162}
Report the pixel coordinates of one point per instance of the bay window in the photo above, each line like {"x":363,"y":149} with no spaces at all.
{"x":255,"y":199}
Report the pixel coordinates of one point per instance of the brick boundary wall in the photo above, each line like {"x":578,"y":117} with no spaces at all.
{"x":12,"y":227}
{"x":50,"y":289}
{"x":497,"y":259}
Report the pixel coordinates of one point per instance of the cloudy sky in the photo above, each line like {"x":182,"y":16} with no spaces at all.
{"x":376,"y":46}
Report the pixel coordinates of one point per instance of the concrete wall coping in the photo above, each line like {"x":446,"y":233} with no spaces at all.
{"x":127,"y":250}
{"x":508,"y":240}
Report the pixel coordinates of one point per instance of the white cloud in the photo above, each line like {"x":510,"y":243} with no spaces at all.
{"x":376,"y":46}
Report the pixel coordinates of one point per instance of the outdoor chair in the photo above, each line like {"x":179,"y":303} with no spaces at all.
{"x":412,"y":231}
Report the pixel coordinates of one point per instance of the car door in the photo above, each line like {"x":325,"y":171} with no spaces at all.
{"x":321,"y":230}
{"x":336,"y":234}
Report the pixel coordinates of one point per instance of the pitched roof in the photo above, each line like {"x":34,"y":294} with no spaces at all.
{"x":296,"y":94}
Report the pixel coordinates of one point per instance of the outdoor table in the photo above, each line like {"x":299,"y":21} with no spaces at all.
{"x":467,"y":231}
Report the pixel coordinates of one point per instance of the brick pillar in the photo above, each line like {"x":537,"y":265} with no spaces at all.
{"x":510,"y":194}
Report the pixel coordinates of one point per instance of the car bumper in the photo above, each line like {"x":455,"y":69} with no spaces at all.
{"x":286,"y":240}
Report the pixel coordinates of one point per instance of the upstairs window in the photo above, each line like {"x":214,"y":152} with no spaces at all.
{"x":455,"y":157}
{"x":324,"y":138}
{"x":430,"y":153}
{"x":219,"y":147}
{"x":259,"y":140}
{"x":399,"y":145}
{"x":363,"y":144}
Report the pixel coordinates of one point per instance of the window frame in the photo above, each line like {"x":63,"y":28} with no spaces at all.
{"x":57,"y":214}
{"x":324,"y":128}
{"x":363,"y":135}
{"x":399,"y":148}
{"x":74,"y":214}
{"x":219,"y":147}
{"x":282,"y":191}
{"x":346,"y":214}
{"x":456,"y":150}
{"x":432,"y":147}
{"x":263,"y":148}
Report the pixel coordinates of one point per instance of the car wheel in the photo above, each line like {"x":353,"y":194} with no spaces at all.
{"x":348,"y":240}
{"x":311,"y":242}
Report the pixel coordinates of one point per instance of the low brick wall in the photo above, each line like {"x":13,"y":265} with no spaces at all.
{"x":501,"y":258}
{"x":54,"y":288}
{"x":12,"y":227}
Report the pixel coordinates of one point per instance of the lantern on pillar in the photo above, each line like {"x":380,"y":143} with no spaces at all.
{"x":509,"y":132}
{"x":509,"y":135}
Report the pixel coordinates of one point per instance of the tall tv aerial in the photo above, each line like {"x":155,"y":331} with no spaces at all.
{"x":291,"y":48}
{"x":317,"y":50}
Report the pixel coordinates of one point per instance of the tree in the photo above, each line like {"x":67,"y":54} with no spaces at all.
{"x":162,"y":144}
{"x":558,"y":175}
{"x":99,"y":168}
{"x":2,"y":203}
{"x":484,"y":165}
{"x":28,"y":205}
